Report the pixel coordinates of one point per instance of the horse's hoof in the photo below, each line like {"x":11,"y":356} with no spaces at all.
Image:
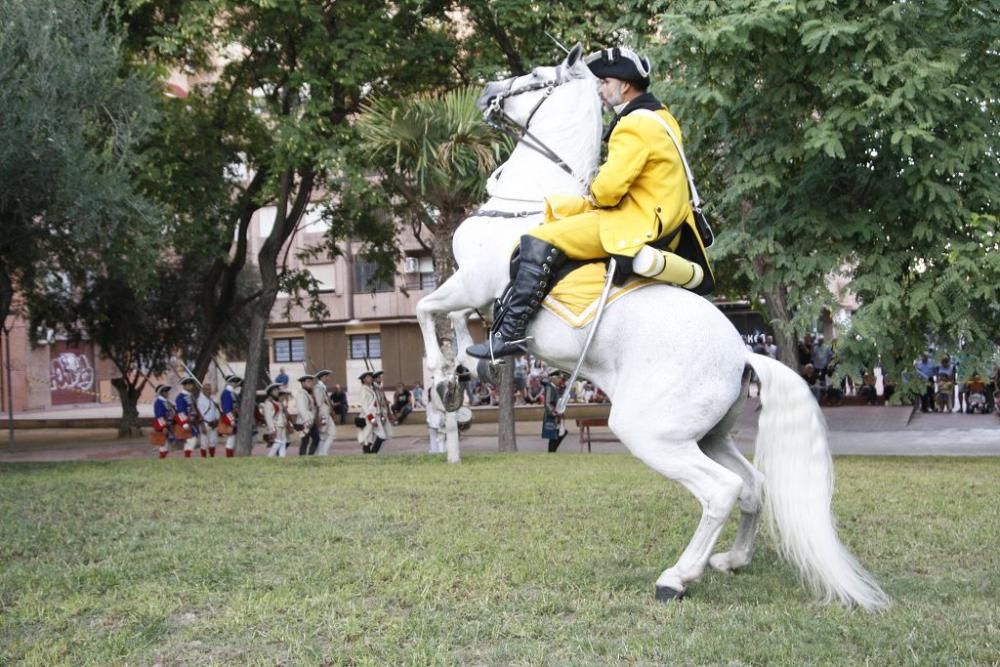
{"x":666,"y":594}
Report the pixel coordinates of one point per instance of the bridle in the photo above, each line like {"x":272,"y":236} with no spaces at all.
{"x":497,"y":118}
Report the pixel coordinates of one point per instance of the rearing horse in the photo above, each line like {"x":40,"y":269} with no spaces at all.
{"x":674,"y":367}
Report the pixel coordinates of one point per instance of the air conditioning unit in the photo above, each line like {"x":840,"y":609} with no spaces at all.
{"x":411,"y":265}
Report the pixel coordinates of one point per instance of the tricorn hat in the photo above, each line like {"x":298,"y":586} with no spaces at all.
{"x":234,"y":379}
{"x":378,"y":373}
{"x":323,"y":373}
{"x":307,"y":376}
{"x":620,"y":63}
{"x":271,"y":387}
{"x":162,"y":389}
{"x":189,"y":380}
{"x":365,"y":374}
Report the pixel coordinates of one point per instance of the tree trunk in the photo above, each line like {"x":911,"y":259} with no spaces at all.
{"x":128,"y":395}
{"x":506,"y":436}
{"x":248,"y":397}
{"x":6,"y":294}
{"x":444,"y":267}
{"x":776,"y":302}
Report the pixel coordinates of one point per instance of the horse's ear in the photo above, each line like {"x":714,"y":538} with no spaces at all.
{"x":574,"y":54}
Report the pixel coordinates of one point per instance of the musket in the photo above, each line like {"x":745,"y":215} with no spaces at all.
{"x":558,"y":43}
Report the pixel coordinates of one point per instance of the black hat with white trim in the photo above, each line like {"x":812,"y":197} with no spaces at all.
{"x":322,"y":374}
{"x":234,"y":379}
{"x":620,"y":63}
{"x":162,"y":389}
{"x":365,"y":374}
{"x":306,"y":377}
{"x":271,"y":387}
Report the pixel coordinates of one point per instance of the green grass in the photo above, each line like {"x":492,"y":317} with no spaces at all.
{"x":503,"y":560}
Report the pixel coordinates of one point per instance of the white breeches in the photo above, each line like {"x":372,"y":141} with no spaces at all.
{"x":278,"y":448}
{"x":437,"y":444}
{"x":326,"y":437}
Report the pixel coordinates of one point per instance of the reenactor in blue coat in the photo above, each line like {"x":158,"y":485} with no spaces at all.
{"x":230,"y":404}
{"x":163,"y":417}
{"x":187,"y":416}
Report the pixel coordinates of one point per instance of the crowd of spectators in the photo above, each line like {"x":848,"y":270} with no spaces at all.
{"x":947,"y":387}
{"x":530,"y":377}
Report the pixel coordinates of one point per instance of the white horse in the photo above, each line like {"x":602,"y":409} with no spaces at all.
{"x":674,"y":367}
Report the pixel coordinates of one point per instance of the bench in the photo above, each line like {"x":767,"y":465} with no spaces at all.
{"x":584,"y":426}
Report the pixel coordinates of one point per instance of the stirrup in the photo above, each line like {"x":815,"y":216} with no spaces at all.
{"x":519,"y":341}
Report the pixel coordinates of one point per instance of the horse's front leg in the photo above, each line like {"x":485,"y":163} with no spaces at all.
{"x":463,"y":339}
{"x":449,"y":297}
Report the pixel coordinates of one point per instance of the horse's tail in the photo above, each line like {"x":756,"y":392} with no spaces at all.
{"x":792,"y":453}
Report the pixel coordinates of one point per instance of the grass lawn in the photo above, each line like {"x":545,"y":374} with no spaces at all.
{"x":503,"y":560}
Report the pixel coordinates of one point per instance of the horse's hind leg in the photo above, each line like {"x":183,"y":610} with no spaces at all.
{"x":720,"y":448}
{"x":715,"y":487}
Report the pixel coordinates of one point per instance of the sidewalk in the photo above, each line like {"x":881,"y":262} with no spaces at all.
{"x":852,"y":430}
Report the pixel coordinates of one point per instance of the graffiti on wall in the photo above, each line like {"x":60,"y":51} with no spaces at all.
{"x":71,"y":373}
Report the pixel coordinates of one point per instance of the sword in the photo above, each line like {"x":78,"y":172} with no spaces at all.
{"x":564,"y":399}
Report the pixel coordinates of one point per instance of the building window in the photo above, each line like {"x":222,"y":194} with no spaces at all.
{"x":365,"y":279}
{"x":365,"y":346}
{"x":428,"y":280}
{"x":289,"y":349}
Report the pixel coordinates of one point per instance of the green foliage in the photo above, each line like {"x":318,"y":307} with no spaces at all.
{"x":504,"y":560}
{"x":858,"y":138}
{"x":69,"y":128}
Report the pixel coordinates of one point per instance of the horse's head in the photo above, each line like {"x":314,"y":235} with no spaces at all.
{"x":518,"y":98}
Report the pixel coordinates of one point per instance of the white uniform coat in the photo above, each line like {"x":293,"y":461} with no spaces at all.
{"x":276,"y":419}
{"x":371,"y":412}
{"x":305,"y":405}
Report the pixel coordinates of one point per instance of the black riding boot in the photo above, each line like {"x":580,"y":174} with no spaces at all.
{"x":521,"y":300}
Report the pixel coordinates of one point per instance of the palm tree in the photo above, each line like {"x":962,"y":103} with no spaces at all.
{"x":434,"y":154}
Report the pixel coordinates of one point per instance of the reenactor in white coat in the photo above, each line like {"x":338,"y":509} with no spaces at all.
{"x":385,"y":412}
{"x":209,"y":412}
{"x":371,"y":419}
{"x":326,"y":423}
{"x":306,"y":419}
{"x":275,"y":420}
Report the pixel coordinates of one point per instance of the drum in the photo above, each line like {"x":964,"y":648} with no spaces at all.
{"x":157,"y":438}
{"x":225,"y":428}
{"x":182,"y":431}
{"x":464,"y":418}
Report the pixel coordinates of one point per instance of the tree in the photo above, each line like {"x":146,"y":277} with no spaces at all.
{"x":855,"y":138}
{"x":68,"y":133}
{"x":138,"y":325}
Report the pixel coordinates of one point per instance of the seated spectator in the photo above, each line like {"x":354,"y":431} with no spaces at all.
{"x":813,"y":379}
{"x":338,"y":397}
{"x":418,"y":396}
{"x":484,"y":394}
{"x":946,"y":384}
{"x":402,"y":404}
{"x":599,"y":396}
{"x":770,"y":347}
{"x":805,"y":350}
{"x":868,"y":392}
{"x":535,"y":393}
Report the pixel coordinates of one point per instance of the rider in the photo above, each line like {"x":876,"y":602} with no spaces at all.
{"x":638,"y":197}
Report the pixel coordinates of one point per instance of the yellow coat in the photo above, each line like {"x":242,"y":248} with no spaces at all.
{"x":640,"y":193}
{"x":641,"y":187}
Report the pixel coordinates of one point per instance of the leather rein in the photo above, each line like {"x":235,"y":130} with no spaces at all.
{"x":497,"y":118}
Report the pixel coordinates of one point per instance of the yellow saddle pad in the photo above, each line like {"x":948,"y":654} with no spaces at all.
{"x":574,"y":298}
